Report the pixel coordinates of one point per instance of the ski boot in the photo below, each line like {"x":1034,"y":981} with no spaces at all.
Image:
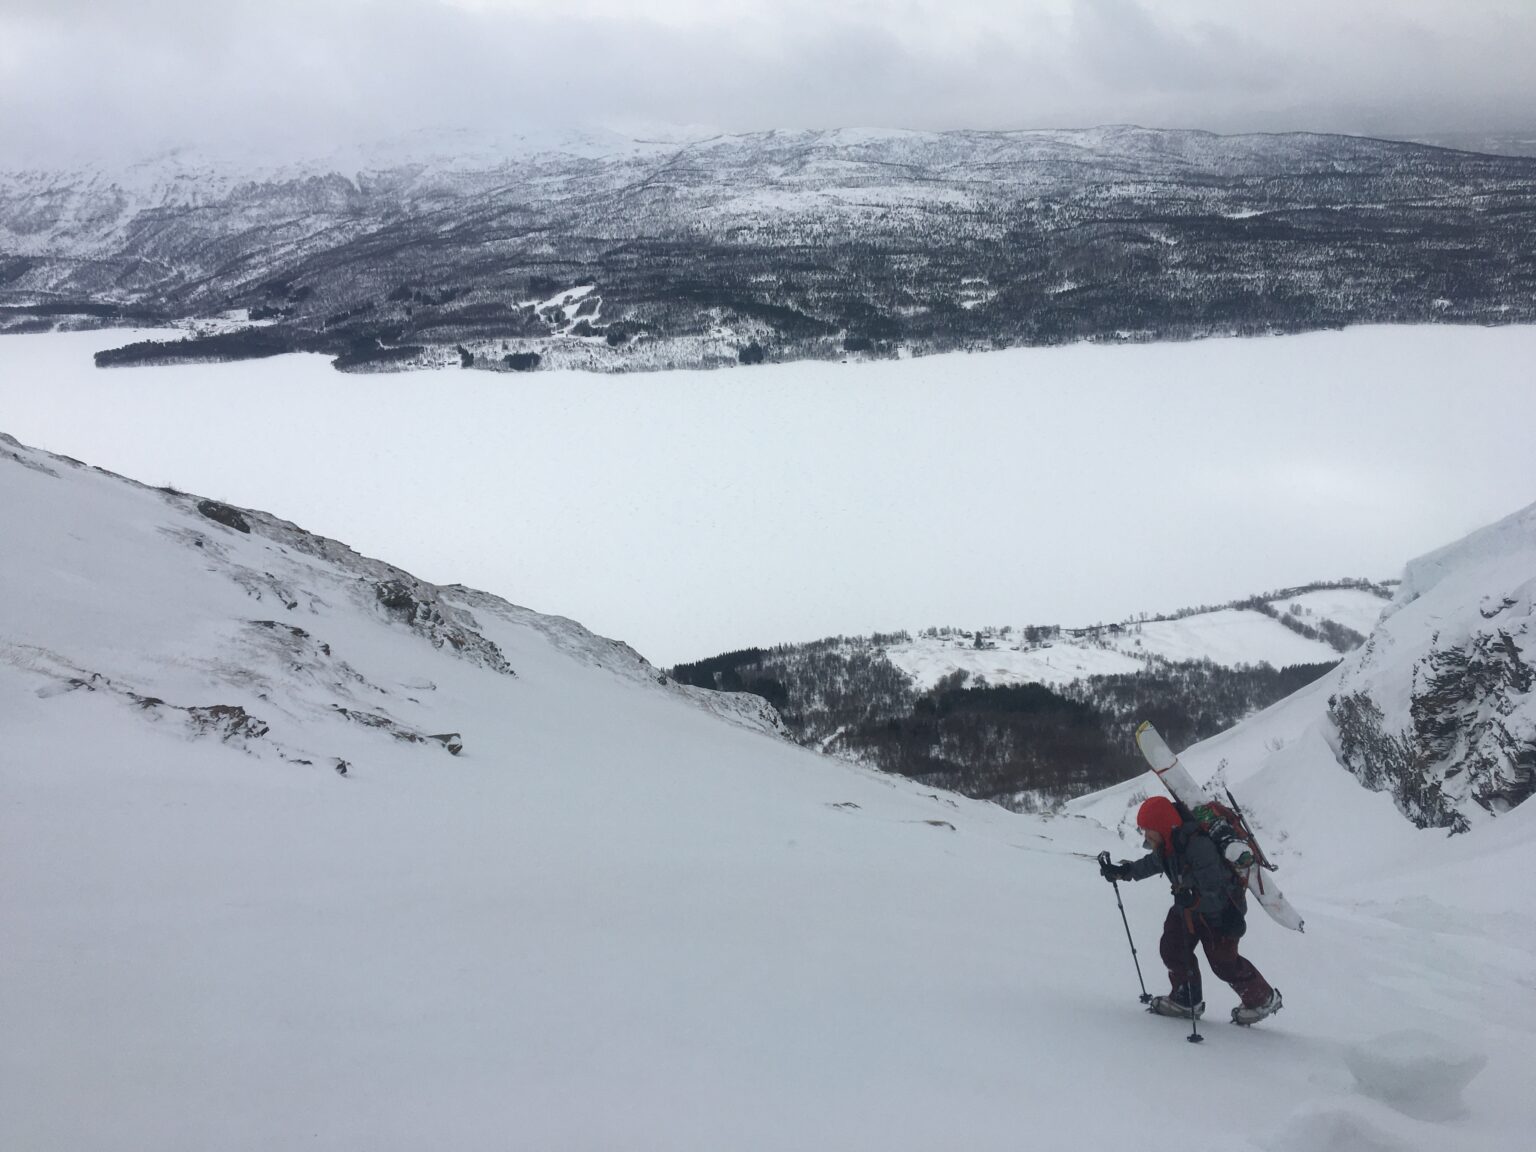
{"x":1248,"y":1017}
{"x":1182,"y":1004}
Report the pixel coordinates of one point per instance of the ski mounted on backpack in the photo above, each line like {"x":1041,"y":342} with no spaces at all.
{"x":1224,"y":824}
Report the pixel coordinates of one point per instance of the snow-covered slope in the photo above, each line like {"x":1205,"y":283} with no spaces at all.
{"x":615,"y":919}
{"x":1436,"y":711}
{"x":1225,"y":636}
{"x":173,"y":606}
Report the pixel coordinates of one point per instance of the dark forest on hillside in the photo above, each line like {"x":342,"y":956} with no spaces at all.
{"x":1023,"y":746}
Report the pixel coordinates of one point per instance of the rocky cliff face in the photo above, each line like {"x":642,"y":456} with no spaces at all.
{"x":1438,"y":708}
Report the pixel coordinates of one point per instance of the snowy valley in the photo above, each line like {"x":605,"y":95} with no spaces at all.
{"x":300,"y":849}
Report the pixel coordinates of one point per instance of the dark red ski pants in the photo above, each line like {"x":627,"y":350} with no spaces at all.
{"x":1178,"y":951}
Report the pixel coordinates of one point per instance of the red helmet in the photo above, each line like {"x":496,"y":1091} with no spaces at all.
{"x":1157,"y":814}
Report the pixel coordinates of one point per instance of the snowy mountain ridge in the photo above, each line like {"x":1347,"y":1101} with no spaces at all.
{"x":1438,"y":707}
{"x":610,"y":919}
{"x":722,"y":250}
{"x":293,"y":670}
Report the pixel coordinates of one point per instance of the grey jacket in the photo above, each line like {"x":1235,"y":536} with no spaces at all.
{"x":1193,"y":863}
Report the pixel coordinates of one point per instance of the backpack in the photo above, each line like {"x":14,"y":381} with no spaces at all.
{"x":1225,"y":825}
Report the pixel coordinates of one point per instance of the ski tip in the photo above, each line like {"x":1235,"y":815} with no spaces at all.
{"x":1154,"y":748}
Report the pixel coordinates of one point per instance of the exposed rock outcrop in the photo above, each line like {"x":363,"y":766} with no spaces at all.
{"x":223,"y":514}
{"x":417,"y":605}
{"x":1438,"y":707}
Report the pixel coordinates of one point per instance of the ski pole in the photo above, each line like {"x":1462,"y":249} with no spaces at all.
{"x":1146,"y":997}
{"x":1194,"y":1036}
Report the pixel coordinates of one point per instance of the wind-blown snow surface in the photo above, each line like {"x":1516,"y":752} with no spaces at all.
{"x":616,"y":918}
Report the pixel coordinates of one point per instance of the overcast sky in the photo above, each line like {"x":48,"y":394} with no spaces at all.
{"x":114,"y":76}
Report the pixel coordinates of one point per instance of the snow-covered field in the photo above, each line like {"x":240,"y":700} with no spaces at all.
{"x":619,"y":919}
{"x":1347,"y":606}
{"x":928,"y":662}
{"x":1227,"y":636}
{"x":693,"y":513}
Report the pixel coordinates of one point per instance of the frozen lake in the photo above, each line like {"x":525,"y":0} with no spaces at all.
{"x":690,"y":513}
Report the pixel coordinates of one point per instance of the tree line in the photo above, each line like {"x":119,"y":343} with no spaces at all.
{"x":1020,"y":745}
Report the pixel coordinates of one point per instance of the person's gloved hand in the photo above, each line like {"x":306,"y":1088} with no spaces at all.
{"x":1186,"y":897}
{"x":1120,"y":871}
{"x":1233,"y":923}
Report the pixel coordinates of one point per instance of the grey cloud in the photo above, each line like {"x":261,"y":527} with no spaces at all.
{"x":96,"y":76}
{"x":1127,"y":48}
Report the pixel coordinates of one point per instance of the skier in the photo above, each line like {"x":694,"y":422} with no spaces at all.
{"x":1209,"y":906}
